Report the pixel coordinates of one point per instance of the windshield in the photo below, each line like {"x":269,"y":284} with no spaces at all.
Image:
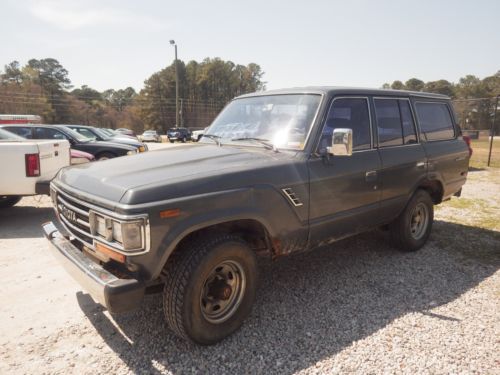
{"x":74,"y":134}
{"x":102,"y":134}
{"x":283,"y":120}
{"x":109,"y":132}
{"x":8,"y":136}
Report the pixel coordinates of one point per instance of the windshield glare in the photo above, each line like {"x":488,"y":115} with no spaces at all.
{"x":283,"y":120}
{"x":76,"y":135}
{"x":102,"y":134}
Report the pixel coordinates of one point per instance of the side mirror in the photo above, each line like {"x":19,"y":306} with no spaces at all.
{"x":341,"y":142}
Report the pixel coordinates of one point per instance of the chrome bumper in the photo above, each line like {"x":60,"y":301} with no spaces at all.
{"x":117,"y":295}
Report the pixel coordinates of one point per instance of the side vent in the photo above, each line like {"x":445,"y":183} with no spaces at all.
{"x":292,"y":196}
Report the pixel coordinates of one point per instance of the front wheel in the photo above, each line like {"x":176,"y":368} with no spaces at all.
{"x":171,"y":140}
{"x":410,"y":231}
{"x":210,"y":286}
{"x":7,"y":201}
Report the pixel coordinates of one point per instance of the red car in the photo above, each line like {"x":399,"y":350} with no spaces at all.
{"x":80,"y":157}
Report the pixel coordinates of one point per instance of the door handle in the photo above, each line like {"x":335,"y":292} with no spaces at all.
{"x":421,"y":164}
{"x":460,"y":158}
{"x":371,"y":176}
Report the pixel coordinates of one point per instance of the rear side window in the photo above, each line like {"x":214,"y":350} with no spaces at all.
{"x":409,"y":133}
{"x":395,"y":125}
{"x":20,"y":131}
{"x":46,"y":133}
{"x":390,"y":131}
{"x":435,"y":121}
{"x":351,"y":113}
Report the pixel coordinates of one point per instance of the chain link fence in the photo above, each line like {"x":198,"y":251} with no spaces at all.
{"x":480,"y":120}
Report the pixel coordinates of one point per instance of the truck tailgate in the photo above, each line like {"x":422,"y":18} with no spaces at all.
{"x":53,"y":155}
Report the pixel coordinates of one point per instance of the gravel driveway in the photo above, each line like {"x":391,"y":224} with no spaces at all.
{"x":358,"y":306}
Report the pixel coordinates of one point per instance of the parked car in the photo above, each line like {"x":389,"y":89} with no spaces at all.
{"x":178,"y":134}
{"x":97,"y":134}
{"x":100,"y":150}
{"x":114,"y":133}
{"x":28,"y":166}
{"x":197,"y":134}
{"x":151,"y":136}
{"x":80,"y":157}
{"x":125,"y":131}
{"x":276,"y":173}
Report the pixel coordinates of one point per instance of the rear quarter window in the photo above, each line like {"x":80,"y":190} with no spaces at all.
{"x":435,"y":121}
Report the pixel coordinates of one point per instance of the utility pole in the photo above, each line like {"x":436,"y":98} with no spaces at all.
{"x":172,"y":42}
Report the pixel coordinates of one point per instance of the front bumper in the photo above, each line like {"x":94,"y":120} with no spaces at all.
{"x":117,"y":295}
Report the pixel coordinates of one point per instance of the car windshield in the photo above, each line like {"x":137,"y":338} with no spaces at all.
{"x":282,"y":120}
{"x":150,"y":132}
{"x":109,"y":132}
{"x":74,"y":134}
{"x":8,"y":136}
{"x":101,"y":134}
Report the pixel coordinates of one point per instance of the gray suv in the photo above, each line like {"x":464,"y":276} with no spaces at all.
{"x":276,"y":173}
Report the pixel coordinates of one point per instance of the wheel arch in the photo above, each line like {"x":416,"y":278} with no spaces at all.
{"x":251,"y":229}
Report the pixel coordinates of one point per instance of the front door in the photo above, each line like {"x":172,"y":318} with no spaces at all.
{"x":344,"y":190}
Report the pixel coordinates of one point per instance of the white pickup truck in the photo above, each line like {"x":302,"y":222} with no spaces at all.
{"x":27,"y":166}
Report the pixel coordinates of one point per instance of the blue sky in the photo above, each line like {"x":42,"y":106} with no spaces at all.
{"x":115,"y":44}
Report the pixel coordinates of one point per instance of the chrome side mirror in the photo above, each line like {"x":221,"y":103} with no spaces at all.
{"x":341,"y":142}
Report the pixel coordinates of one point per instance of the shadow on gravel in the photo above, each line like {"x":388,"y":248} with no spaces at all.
{"x":313,"y":305}
{"x":24,"y":221}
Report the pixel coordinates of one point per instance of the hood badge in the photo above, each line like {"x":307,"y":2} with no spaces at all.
{"x":292,"y":196}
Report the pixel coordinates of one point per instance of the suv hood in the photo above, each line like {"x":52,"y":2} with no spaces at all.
{"x":170,"y":173}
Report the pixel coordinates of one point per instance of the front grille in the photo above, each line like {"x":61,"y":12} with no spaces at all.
{"x":75,"y":217}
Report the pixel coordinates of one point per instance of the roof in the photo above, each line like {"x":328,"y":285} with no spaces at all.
{"x":323,"y":90}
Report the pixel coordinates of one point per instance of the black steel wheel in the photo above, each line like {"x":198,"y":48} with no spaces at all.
{"x":411,"y":229}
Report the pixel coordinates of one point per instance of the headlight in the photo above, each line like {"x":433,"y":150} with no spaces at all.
{"x":127,"y":236}
{"x":132,"y":152}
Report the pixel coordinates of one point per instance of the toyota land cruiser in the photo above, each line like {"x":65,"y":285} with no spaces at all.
{"x":276,"y":173}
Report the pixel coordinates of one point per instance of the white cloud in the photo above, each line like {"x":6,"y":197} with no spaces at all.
{"x":69,"y":15}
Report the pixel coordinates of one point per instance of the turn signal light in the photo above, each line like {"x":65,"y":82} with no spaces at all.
{"x":32,"y":165}
{"x":109,"y":252}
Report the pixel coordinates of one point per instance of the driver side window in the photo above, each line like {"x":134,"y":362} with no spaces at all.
{"x":351,"y":113}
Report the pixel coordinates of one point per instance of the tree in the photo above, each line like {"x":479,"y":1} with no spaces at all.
{"x":397,"y":85}
{"x":414,"y":84}
{"x":12,"y":73}
{"x":440,"y":87}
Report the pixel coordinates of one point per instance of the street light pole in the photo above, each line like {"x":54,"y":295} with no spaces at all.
{"x":172,"y":42}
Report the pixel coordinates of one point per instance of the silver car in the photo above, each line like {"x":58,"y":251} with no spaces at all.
{"x":151,"y":136}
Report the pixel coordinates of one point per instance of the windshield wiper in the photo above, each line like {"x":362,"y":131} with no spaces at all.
{"x":214,"y":138}
{"x":266,"y":142}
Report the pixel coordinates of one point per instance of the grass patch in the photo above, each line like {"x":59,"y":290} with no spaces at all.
{"x":480,"y":149}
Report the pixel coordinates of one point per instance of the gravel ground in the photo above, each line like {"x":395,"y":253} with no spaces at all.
{"x":358,"y":306}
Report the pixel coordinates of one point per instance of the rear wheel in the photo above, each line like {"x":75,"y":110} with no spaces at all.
{"x":410,"y":231}
{"x":9,"y":200}
{"x":209,"y":288}
{"x":184,"y":139}
{"x":171,"y":140}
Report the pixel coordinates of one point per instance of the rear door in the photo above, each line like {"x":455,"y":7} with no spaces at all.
{"x":344,"y":190}
{"x":447,"y":152}
{"x":404,"y":162}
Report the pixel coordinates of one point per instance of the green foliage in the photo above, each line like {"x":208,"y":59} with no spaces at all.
{"x":204,"y":88}
{"x":397,"y":85}
{"x":414,"y":84}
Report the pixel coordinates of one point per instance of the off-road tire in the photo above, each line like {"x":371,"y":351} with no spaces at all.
{"x":7,"y":201}
{"x":185,"y":275}
{"x":401,"y":228}
{"x":171,"y":141}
